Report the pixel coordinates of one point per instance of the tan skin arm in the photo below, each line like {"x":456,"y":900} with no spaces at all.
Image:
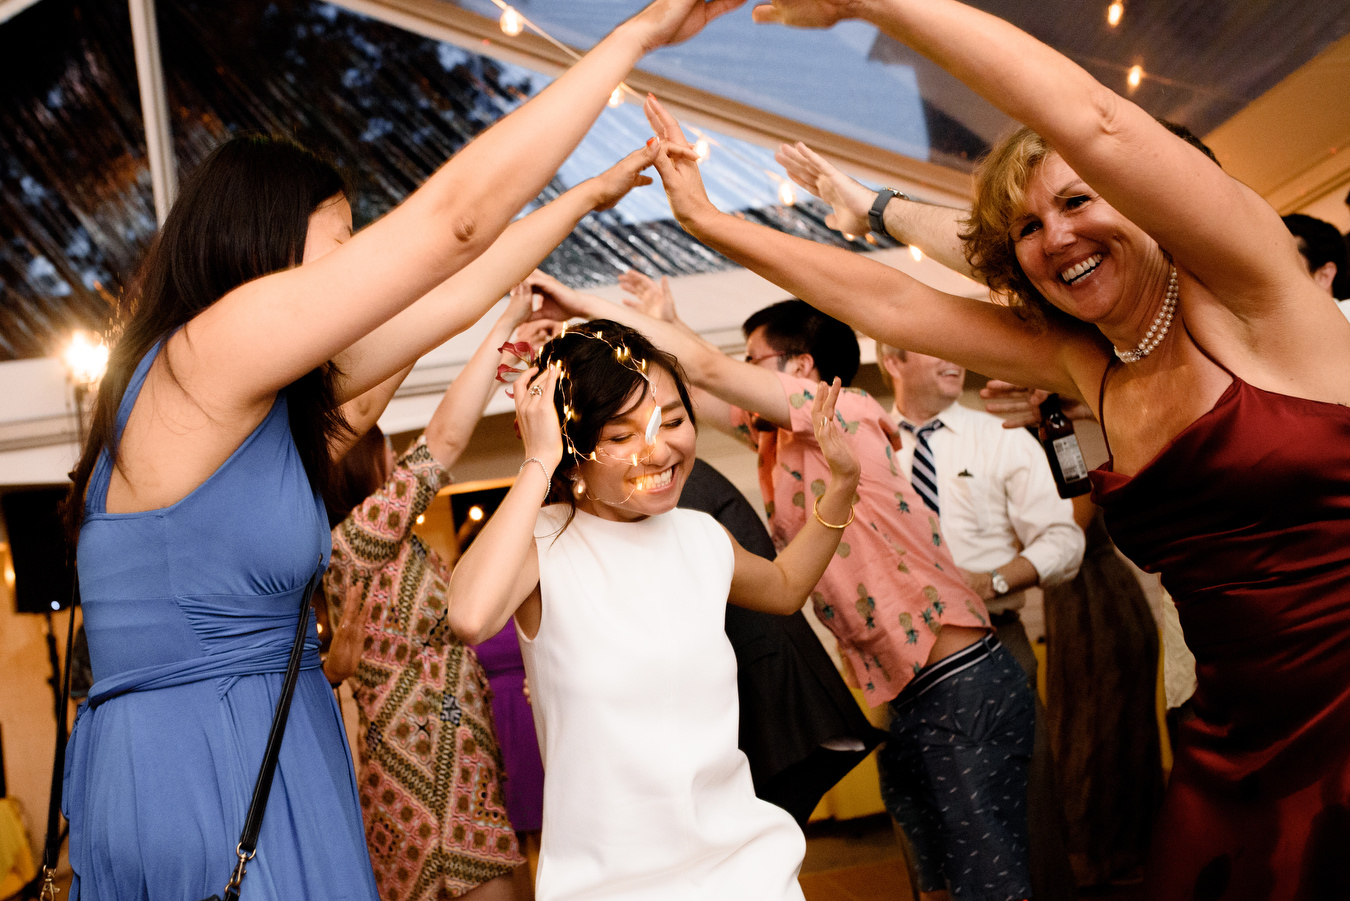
{"x":877,"y":299}
{"x":736,"y":383}
{"x":462,"y":300}
{"x":498,"y":576}
{"x":1244,"y":296}
{"x":1019,"y":573}
{"x":936,"y":230}
{"x":231,"y":360}
{"x":783,"y":585}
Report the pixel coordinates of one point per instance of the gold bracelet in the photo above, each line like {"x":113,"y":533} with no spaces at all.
{"x":815,"y":508}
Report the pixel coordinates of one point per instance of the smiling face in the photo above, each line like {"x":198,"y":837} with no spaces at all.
{"x":330,"y":226}
{"x":631,"y":478}
{"x":924,"y":385}
{"x":1079,"y":251}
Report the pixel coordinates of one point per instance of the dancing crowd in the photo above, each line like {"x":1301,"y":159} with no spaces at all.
{"x":234,"y":459}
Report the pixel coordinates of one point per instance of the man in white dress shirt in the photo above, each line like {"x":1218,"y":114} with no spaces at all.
{"x":1008,"y":530}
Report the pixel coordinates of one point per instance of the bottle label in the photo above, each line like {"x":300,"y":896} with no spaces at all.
{"x":1070,"y":459}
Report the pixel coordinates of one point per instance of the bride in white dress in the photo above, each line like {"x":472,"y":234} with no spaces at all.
{"x":619,"y":600}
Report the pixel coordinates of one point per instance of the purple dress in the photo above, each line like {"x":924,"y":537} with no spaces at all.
{"x":524,"y":770}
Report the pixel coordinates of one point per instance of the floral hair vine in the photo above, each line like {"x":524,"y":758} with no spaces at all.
{"x":525,"y":354}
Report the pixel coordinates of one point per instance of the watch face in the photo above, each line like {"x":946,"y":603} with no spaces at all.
{"x":1000,"y":583}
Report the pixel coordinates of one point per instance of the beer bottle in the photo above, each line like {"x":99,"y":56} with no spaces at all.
{"x":1061,"y":447}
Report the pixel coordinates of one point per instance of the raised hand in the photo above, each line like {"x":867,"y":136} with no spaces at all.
{"x":830,"y":436}
{"x":537,"y":417}
{"x":672,"y":21}
{"x":614,"y":183}
{"x":804,"y":13}
{"x":850,"y":199}
{"x":677,"y":165}
{"x":1020,"y":407}
{"x":554,"y":299}
{"x":349,"y":638}
{"x":652,"y":299}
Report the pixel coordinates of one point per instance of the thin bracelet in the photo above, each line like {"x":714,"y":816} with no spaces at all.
{"x":815,"y":508}
{"x":548,"y":479}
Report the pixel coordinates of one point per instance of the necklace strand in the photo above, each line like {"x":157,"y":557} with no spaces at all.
{"x":1161,"y":323}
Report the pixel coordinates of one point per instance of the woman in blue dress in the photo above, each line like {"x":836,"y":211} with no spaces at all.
{"x":197,"y":501}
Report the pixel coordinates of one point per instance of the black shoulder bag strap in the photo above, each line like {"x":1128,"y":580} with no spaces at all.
{"x":248,"y":839}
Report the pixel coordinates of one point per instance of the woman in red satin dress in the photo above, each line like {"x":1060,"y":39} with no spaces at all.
{"x":1141,"y":279}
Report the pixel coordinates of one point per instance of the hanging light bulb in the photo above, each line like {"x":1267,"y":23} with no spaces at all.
{"x":616,"y":98}
{"x":1135,"y":77}
{"x":787,"y":195}
{"x":512,"y":22}
{"x":702,"y":149}
{"x":475,"y":513}
{"x":1114,"y":12}
{"x":916,"y":253}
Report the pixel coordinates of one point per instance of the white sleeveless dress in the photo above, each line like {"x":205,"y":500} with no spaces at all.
{"x":633,"y":686}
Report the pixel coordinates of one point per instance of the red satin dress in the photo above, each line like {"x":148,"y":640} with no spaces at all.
{"x":1246,"y":516}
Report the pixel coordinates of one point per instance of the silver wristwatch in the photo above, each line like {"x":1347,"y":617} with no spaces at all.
{"x":1000,"y":584}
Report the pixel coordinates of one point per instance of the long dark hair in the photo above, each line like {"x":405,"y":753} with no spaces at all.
{"x":601,"y":387}
{"x":243,"y":214}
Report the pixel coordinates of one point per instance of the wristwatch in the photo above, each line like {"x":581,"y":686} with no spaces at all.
{"x":1001,"y":586}
{"x":874,"y":217}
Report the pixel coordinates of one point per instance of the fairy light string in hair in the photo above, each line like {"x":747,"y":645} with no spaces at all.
{"x":566,"y":390}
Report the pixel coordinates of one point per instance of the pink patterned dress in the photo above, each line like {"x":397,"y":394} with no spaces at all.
{"x":430,"y":776}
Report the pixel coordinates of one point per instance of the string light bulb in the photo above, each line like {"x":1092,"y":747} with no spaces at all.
{"x":787,"y":195}
{"x":1114,"y":13}
{"x":1135,"y":77}
{"x":616,"y":98}
{"x":702,"y":149}
{"x":512,"y":22}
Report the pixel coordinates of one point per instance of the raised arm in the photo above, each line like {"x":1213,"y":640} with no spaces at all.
{"x":265,"y":334}
{"x":737,"y":383}
{"x":783,"y":584}
{"x":463,"y":298}
{"x":1208,"y":221}
{"x":877,"y":299}
{"x":936,"y":230}
{"x":500,"y":571}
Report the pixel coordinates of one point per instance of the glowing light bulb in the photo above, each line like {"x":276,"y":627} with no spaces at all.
{"x":1135,"y":77}
{"x":86,"y":357}
{"x":1114,"y":12}
{"x":421,"y":518}
{"x":916,"y":253}
{"x":787,"y":195}
{"x":848,"y":237}
{"x":475,"y":513}
{"x":319,"y":627}
{"x":616,"y":98}
{"x":56,"y":605}
{"x":512,"y":22}
{"x":702,"y":149}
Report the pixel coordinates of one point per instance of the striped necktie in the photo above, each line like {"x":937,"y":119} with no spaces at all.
{"x":923,"y":472}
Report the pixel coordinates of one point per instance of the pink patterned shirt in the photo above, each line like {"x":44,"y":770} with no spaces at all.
{"x":892,"y":585}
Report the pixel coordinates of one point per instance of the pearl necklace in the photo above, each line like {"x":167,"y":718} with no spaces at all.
{"x":1161,"y":323}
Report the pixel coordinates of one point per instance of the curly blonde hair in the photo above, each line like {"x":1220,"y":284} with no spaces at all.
{"x":1000,"y":193}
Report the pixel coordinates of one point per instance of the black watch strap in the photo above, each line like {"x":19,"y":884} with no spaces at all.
{"x":874,"y":215}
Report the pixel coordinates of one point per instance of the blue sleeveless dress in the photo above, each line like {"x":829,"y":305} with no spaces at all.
{"x":190,"y":611}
